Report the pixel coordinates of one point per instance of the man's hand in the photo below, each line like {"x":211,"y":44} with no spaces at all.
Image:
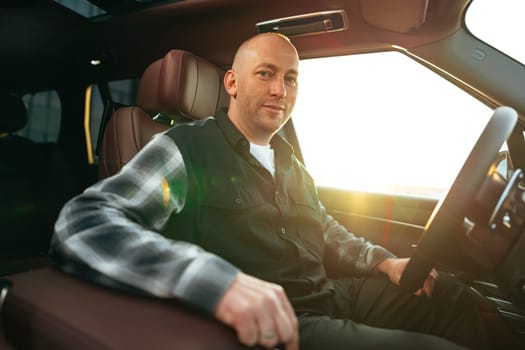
{"x":259,"y":312}
{"x":394,"y":269}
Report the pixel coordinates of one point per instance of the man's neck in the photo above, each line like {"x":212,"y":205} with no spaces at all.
{"x":261,"y":139}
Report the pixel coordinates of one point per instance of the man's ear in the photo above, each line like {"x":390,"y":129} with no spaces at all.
{"x":230,"y":83}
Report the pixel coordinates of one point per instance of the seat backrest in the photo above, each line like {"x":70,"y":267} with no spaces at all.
{"x":15,"y":151}
{"x":25,"y":218}
{"x":179,"y":84}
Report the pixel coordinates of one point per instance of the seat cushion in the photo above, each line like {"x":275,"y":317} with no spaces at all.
{"x":47,"y":309}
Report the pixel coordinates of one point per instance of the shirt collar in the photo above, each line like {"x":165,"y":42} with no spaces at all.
{"x":238,"y":140}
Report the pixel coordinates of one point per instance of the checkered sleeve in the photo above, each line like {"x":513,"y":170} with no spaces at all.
{"x":112,"y":230}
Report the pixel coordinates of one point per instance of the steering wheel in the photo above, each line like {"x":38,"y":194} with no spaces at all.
{"x":439,"y":232}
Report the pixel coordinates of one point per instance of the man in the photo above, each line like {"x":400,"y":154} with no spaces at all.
{"x":244,"y":237}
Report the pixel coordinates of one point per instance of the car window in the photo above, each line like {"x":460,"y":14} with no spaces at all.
{"x":499,"y":24}
{"x":44,"y":111}
{"x":43,"y":117}
{"x":381,"y":122}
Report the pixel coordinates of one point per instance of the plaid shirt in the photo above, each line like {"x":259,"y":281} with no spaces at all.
{"x":109,"y":234}
{"x":113,"y":229}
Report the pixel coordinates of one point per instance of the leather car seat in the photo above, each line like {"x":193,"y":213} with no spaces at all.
{"x":178,"y":85}
{"x":48,"y":309}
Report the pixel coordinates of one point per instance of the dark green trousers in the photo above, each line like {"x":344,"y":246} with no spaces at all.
{"x":372,"y":313}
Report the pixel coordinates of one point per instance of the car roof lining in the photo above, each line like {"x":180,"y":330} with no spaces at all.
{"x":67,"y":42}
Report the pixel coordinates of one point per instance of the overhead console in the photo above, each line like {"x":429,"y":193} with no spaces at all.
{"x":306,"y":24}
{"x":401,"y":16}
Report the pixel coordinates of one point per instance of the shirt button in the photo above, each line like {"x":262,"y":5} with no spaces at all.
{"x":237,"y":201}
{"x":283,"y":230}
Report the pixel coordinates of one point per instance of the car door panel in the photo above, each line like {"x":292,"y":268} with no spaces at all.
{"x":393,"y":221}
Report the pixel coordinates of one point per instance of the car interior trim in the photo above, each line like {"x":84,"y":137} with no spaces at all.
{"x":87,"y":120}
{"x":306,"y":24}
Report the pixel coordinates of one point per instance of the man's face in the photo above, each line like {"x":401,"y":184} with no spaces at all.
{"x":265,"y":87}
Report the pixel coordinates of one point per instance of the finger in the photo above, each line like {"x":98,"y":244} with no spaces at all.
{"x":430,"y":287}
{"x":284,"y":317}
{"x":287,"y":307}
{"x":426,"y":289}
{"x":247,"y":331}
{"x":237,"y":310}
{"x":269,"y":333}
{"x":285,"y":326}
{"x":419,"y":292}
{"x":288,"y":321}
{"x":247,"y":326}
{"x":293,"y":344}
{"x":268,"y":339}
{"x":283,"y":301}
{"x":423,"y":290}
{"x":270,"y":317}
{"x":289,"y":332}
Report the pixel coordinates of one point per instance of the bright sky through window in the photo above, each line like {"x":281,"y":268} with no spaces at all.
{"x":395,"y":135}
{"x":500,"y":24}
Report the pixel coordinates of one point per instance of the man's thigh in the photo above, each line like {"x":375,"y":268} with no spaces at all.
{"x":450,"y":313}
{"x":322,"y":332}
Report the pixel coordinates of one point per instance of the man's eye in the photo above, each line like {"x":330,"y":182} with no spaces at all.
{"x":291,"y":81}
{"x":264,"y":74}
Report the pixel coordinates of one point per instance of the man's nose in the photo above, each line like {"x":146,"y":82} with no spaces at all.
{"x":278,"y":87}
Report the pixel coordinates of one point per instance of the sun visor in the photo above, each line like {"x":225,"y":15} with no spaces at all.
{"x":306,"y":24}
{"x":400,"y":16}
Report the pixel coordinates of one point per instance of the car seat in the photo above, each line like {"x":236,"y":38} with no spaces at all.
{"x":48,"y":309}
{"x":178,"y":86}
{"x":25,"y":219}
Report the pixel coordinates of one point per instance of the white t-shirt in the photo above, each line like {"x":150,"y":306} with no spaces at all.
{"x":265,"y":156}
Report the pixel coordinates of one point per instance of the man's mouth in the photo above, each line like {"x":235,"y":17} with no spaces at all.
{"x":275,"y":107}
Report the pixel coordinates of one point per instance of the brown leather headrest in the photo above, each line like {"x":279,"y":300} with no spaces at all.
{"x":13,"y":116}
{"x":182,"y":84}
